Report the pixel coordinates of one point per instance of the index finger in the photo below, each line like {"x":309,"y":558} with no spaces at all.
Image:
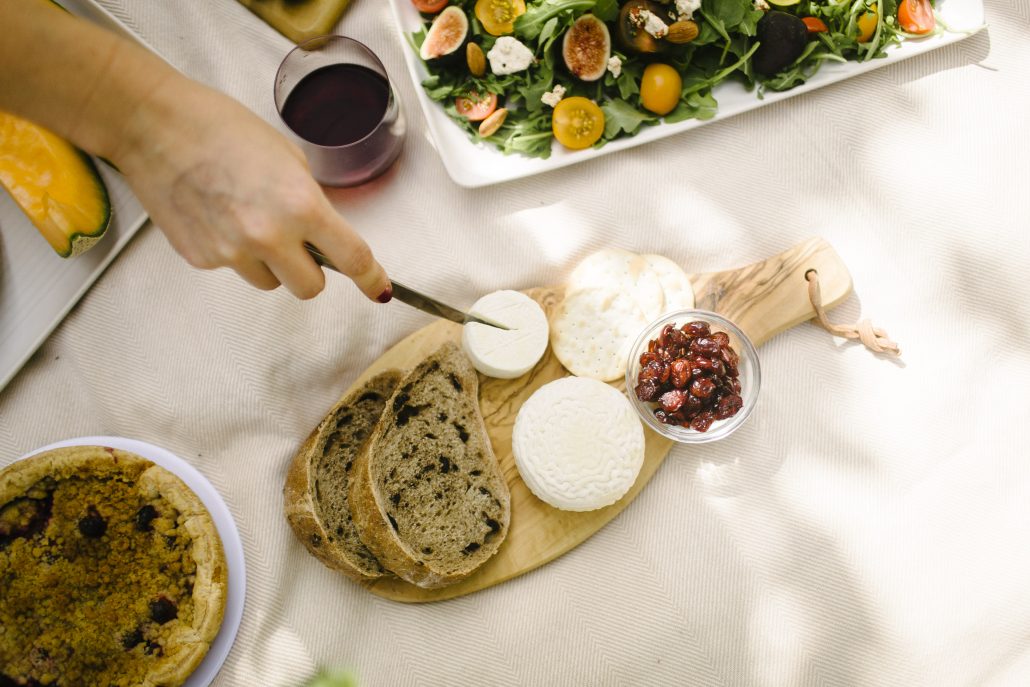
{"x":351,"y":255}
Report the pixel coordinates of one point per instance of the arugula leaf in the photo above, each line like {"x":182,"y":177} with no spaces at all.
{"x":529,"y":135}
{"x":530,"y":24}
{"x":620,"y":116}
{"x":694,"y":106}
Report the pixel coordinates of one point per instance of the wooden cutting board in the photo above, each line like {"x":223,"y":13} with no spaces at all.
{"x":763,"y":299}
{"x":299,"y":20}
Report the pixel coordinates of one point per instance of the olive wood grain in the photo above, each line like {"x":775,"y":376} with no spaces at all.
{"x":763,"y":299}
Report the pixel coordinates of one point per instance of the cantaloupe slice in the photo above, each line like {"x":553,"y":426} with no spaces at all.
{"x":56,"y":184}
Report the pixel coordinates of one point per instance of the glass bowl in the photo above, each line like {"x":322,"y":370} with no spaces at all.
{"x":749,"y":368}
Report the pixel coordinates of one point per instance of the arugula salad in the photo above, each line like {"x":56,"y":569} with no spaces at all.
{"x":519,"y":73}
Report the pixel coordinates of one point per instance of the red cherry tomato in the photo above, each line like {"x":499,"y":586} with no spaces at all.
{"x":429,"y":6}
{"x":815,"y":25}
{"x":916,"y":16}
{"x":476,"y":108}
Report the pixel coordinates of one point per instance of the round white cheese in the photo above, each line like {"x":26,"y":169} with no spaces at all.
{"x":578,"y":444}
{"x":511,"y":353}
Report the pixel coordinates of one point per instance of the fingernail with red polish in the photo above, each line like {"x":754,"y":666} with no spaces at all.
{"x":386,"y":296}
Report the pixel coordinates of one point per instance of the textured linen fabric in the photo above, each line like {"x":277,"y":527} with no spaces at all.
{"x":868,"y":525}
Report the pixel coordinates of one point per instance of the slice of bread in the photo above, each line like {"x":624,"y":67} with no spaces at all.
{"x":317,"y":484}
{"x":427,"y":495}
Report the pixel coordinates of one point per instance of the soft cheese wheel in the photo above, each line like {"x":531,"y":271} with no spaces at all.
{"x":619,"y":270}
{"x":506,"y":354}
{"x":592,"y":332}
{"x":578,"y":444}
{"x":679,"y":293}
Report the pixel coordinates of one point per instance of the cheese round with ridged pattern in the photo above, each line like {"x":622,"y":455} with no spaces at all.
{"x":578,"y":444}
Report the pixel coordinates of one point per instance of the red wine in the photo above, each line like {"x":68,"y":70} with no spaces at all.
{"x":337,"y":104}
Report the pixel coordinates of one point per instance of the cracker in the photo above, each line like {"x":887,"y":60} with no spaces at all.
{"x":620,"y":270}
{"x":679,"y":294}
{"x":593,"y":329}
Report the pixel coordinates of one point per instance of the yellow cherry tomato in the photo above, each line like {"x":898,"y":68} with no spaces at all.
{"x":498,"y":16}
{"x":577,"y":122}
{"x":660,"y":88}
{"x":867,"y":25}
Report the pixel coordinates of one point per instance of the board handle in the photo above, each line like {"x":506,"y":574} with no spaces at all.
{"x":770,"y":296}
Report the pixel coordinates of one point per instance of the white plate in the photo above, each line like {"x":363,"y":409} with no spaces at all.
{"x":473,"y":164}
{"x":37,"y":286}
{"x":231,"y":543}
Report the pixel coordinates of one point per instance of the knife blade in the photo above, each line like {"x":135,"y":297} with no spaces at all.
{"x":413,"y":298}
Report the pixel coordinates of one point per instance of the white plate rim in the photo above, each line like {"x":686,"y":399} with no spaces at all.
{"x":473,"y":165}
{"x":227,"y":531}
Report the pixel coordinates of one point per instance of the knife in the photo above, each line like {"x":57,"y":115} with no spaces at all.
{"x":414,"y":298}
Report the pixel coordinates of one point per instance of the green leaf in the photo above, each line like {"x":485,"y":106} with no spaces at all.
{"x":529,"y":135}
{"x":606,"y":10}
{"x":540,"y":81}
{"x":694,"y":106}
{"x":531,"y":24}
{"x":550,"y":26}
{"x":620,"y":116}
{"x":728,"y":12}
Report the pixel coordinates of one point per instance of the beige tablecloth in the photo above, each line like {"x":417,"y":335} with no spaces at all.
{"x":868,"y":526}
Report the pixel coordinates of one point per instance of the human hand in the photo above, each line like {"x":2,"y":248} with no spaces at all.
{"x":228,"y":190}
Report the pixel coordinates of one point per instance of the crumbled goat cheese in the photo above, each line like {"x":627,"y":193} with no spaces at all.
{"x":650,"y":22}
{"x":553,"y":96}
{"x":686,"y":8}
{"x":762,"y":5}
{"x":615,"y":65}
{"x":508,"y":56}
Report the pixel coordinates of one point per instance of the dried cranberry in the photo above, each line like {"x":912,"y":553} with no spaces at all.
{"x":714,"y":365}
{"x":680,"y":372}
{"x":131,"y":639}
{"x":162,"y":610}
{"x":696,"y":328}
{"x":702,"y":421}
{"x":666,"y":372}
{"x":727,"y":406}
{"x":730,"y":357}
{"x":702,"y":388}
{"x":92,"y":525}
{"x":672,"y":400}
{"x":145,"y":516}
{"x":648,"y":390}
{"x":705,"y":346}
{"x":652,"y":370}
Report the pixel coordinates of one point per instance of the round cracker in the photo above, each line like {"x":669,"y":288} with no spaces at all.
{"x":592,"y":331}
{"x":676,"y":286}
{"x":619,"y":270}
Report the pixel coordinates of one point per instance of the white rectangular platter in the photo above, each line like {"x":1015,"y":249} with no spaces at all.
{"x":472,"y":164}
{"x":38,"y":287}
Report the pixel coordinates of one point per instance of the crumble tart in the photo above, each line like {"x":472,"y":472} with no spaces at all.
{"x":112,"y":572}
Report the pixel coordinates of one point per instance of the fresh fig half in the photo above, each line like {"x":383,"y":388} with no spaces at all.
{"x":446,"y":38}
{"x":783,"y":38}
{"x":632,"y":37}
{"x":586,"y":48}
